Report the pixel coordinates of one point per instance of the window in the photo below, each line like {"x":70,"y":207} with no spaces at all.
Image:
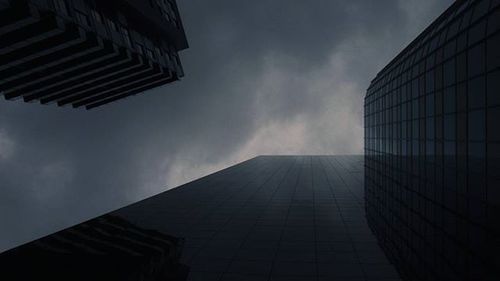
{"x":476,"y":59}
{"x":480,"y":10}
{"x":449,"y":100}
{"x":493,"y":118}
{"x":450,"y":49}
{"x":439,"y":127}
{"x":462,"y":126}
{"x":461,"y":42}
{"x":439,"y":77}
{"x":415,"y":132}
{"x":429,"y":105}
{"x":477,"y":32}
{"x":415,"y":108}
{"x":449,"y":150}
{"x":429,"y":128}
{"x":439,"y":103}
{"x":476,"y":150}
{"x":461,"y":67}
{"x":450,"y":127}
{"x":61,"y":6}
{"x":493,"y":89}
{"x":429,"y":81}
{"x":477,"y":92}
{"x":493,"y":54}
{"x":494,"y":22}
{"x":461,"y":97}
{"x":449,"y":73}
{"x":477,"y":125}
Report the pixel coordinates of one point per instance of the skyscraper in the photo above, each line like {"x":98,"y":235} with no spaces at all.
{"x":432,"y":149}
{"x":269,"y":218}
{"x":88,"y":53}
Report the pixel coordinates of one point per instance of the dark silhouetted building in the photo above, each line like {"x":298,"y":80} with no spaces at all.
{"x":269,"y":218}
{"x":87,"y":53}
{"x":432,"y":149}
{"x":108,"y":248}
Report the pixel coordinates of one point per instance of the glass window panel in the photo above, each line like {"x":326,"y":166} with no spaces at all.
{"x":439,"y":56}
{"x":493,"y":89}
{"x":430,"y":61}
{"x":429,"y":147}
{"x":466,"y":19}
{"x":453,"y":29}
{"x":494,"y":22}
{"x":449,"y":149}
{"x":450,"y":49}
{"x":415,"y":133}
{"x":477,"y":126}
{"x":429,"y":130}
{"x":439,"y":127}
{"x":461,"y":67}
{"x":462,"y":126}
{"x":477,"y":151}
{"x":415,"y":108}
{"x":439,"y":77}
{"x":477,"y":92}
{"x":449,"y":73}
{"x":493,"y":53}
{"x":449,"y":100}
{"x":477,"y":32}
{"x":480,"y":9}
{"x":429,"y":81}
{"x":461,"y":42}
{"x":422,"y":107}
{"x":493,"y":119}
{"x":462,"y":97}
{"x":476,"y":60}
{"x":414,"y":88}
{"x":429,"y":104}
{"x":494,"y":160}
{"x":449,"y":127}
{"x":439,"y":103}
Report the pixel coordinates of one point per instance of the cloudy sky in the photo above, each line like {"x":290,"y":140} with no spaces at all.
{"x":262,"y":77}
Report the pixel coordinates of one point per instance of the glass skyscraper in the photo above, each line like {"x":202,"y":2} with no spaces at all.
{"x":432,"y":149}
{"x":269,"y":218}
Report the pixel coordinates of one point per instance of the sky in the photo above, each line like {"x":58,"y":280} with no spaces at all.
{"x":262,"y":77}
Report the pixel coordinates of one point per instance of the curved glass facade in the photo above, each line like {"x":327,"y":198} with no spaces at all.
{"x":432,"y":149}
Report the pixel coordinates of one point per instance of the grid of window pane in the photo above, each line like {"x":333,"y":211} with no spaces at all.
{"x":432,"y":148}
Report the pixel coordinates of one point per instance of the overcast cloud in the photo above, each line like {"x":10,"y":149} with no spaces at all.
{"x":262,"y":77}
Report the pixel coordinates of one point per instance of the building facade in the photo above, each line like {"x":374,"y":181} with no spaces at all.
{"x":106,"y":248}
{"x":269,"y":218}
{"x":432,"y":149}
{"x":87,"y":53}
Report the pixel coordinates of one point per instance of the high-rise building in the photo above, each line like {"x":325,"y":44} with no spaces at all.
{"x":87,"y":53}
{"x":269,"y":218}
{"x":107,"y":248}
{"x":432,"y":149}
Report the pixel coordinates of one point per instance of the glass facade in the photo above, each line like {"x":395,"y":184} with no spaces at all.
{"x":432,"y":149}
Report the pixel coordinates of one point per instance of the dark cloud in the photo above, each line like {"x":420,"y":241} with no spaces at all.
{"x":262,"y":77}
